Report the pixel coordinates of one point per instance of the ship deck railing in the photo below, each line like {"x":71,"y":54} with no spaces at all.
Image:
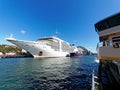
{"x":95,"y":82}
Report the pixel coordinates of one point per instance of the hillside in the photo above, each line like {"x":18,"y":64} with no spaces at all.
{"x":9,"y":48}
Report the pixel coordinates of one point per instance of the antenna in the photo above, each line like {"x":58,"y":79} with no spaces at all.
{"x":11,"y":35}
{"x":56,"y":32}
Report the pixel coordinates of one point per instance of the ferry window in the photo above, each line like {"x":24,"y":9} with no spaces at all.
{"x":104,"y":43}
{"x":101,"y":26}
{"x":111,"y":43}
{"x":108,"y":23}
{"x":116,"y":39}
{"x":114,"y":21}
{"x":107,"y":43}
{"x":96,"y":29}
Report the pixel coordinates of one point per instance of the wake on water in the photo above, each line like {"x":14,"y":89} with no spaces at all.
{"x":96,"y":60}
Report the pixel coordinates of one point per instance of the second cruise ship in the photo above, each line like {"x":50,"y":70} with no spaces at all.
{"x":44,"y":47}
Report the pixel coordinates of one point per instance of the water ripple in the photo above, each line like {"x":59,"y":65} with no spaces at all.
{"x":47,"y":74}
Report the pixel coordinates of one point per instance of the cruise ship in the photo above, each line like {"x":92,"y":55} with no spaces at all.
{"x":44,"y":47}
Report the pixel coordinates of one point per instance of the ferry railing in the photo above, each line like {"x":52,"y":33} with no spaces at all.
{"x":100,"y":44}
{"x":95,"y":83}
{"x":107,"y":43}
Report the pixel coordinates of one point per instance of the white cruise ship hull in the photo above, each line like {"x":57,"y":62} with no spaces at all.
{"x":37,"y":49}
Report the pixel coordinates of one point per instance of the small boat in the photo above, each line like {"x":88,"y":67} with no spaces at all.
{"x":74,"y":52}
{"x":75,"y":55}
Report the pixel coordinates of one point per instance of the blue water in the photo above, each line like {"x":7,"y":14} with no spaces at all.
{"x":47,"y":74}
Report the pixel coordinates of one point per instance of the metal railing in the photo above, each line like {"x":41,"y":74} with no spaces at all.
{"x":95,"y":83}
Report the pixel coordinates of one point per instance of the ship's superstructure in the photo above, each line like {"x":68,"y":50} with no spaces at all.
{"x":109,"y":52}
{"x":44,"y":47}
{"x":109,"y":36}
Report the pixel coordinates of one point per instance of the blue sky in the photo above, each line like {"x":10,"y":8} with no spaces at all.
{"x":70,"y":20}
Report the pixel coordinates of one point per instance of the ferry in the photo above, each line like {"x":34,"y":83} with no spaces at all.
{"x":108,"y":50}
{"x":74,"y":52}
{"x":44,"y":47}
{"x":75,"y":55}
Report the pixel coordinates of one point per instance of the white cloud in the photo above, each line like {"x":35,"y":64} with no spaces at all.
{"x":23,"y":32}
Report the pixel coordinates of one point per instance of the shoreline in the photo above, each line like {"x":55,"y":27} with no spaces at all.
{"x":15,"y":56}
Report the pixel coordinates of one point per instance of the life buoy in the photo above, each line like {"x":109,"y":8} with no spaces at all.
{"x":116,"y":45}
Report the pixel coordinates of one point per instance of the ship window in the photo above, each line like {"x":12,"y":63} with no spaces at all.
{"x":106,"y":43}
{"x":116,"y":39}
{"x":65,"y":47}
{"x":40,"y":53}
{"x":101,"y":26}
{"x":108,"y":23}
{"x":111,"y":43}
{"x":114,"y":21}
{"x":54,"y":44}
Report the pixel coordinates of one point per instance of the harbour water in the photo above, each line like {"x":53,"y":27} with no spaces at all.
{"x":47,"y":74}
